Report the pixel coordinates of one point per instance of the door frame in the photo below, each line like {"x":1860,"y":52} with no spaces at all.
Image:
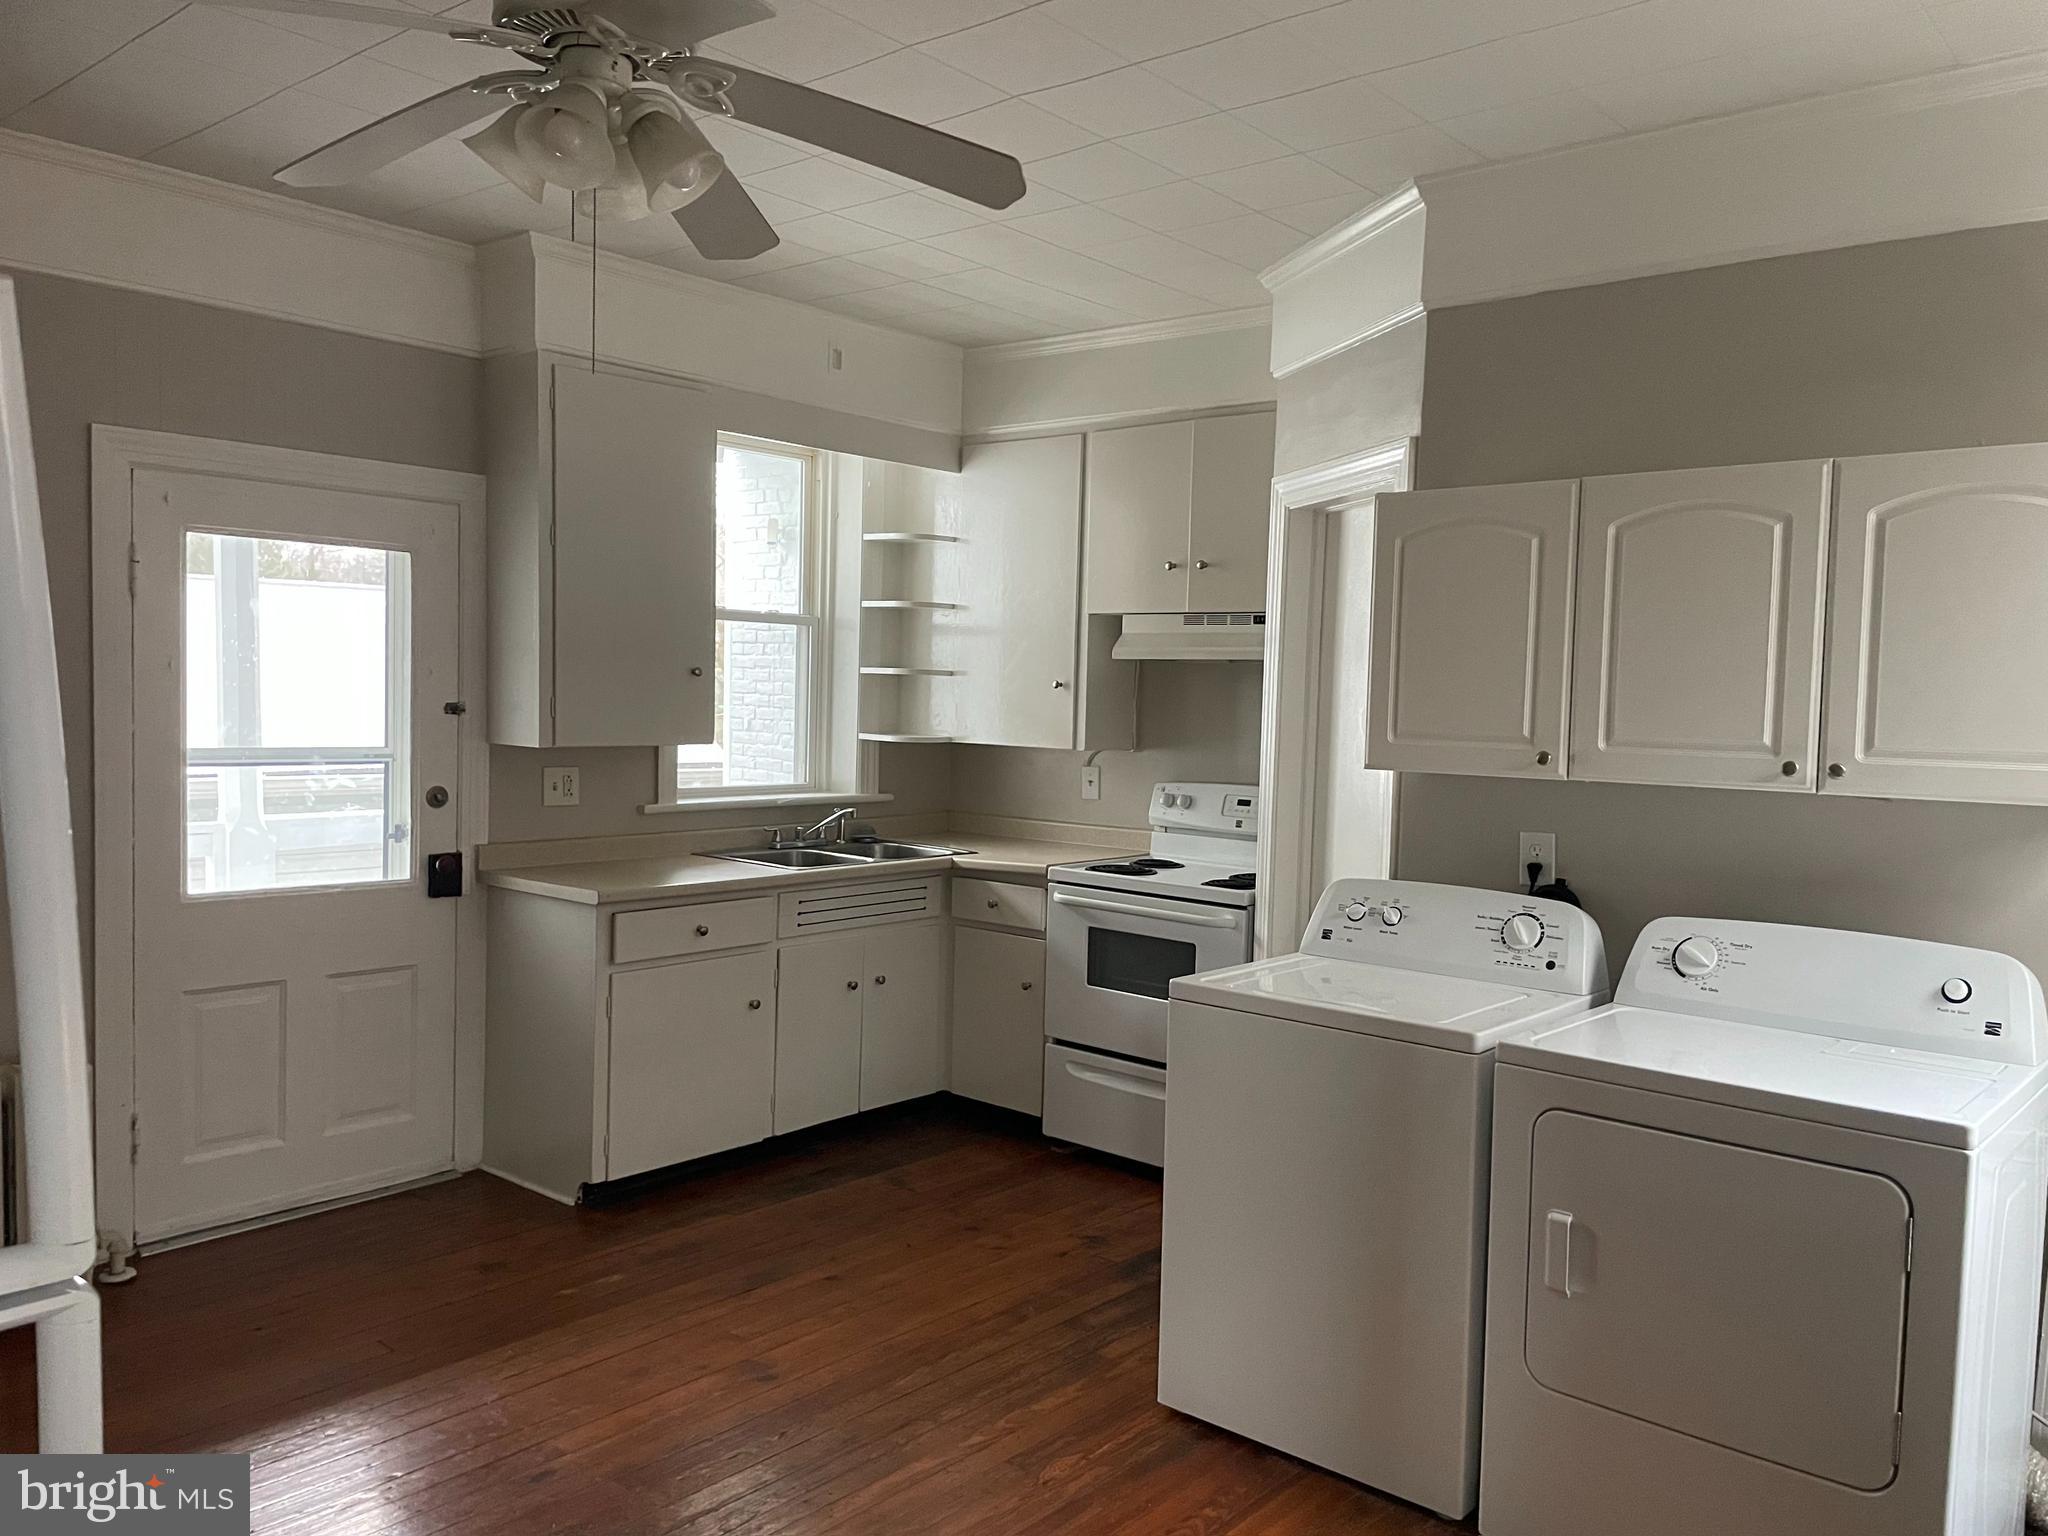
{"x":1304,"y":501}
{"x":118,"y":454}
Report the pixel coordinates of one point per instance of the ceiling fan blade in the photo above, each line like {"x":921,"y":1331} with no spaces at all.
{"x":390,"y":138}
{"x":385,"y":16}
{"x":725,"y":225}
{"x":973,"y":171}
{"x":672,"y":23}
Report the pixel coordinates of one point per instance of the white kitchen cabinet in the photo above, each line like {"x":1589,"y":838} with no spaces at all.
{"x":1472,"y":630}
{"x":692,"y":1060}
{"x":999,"y":1018}
{"x":818,"y":1033}
{"x":1178,"y":514}
{"x":1937,"y":628}
{"x":602,"y":544}
{"x":1696,"y":657}
{"x":903,"y":1013}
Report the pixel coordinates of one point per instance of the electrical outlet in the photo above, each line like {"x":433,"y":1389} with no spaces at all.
{"x":561,"y":786}
{"x":1091,"y":783}
{"x":1535,"y":848}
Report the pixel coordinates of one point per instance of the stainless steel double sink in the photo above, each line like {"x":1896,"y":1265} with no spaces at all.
{"x":829,"y":855}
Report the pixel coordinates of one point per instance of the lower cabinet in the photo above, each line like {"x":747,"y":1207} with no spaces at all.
{"x":862,"y":1022}
{"x":999,"y":1018}
{"x":692,"y":1060}
{"x":903,"y":1016}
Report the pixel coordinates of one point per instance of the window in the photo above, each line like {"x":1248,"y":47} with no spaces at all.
{"x":770,"y":671}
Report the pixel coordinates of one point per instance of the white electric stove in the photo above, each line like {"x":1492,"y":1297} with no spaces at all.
{"x":1118,"y":933}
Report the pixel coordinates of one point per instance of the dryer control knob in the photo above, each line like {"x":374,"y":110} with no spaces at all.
{"x":1956,"y":990}
{"x":1355,"y":913}
{"x":1695,"y":957}
{"x":1390,"y":917}
{"x":1523,"y":931}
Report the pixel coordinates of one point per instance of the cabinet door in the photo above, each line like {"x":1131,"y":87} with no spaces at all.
{"x":817,"y":1032}
{"x":999,"y":1018}
{"x":635,"y":525}
{"x":1472,"y":629}
{"x":1230,"y":514}
{"x":1018,"y":569}
{"x":1697,"y":651}
{"x":1937,"y":626}
{"x":903,"y":1034}
{"x":692,"y":1060}
{"x":1140,"y":485}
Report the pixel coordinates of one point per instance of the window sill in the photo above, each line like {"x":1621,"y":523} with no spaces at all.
{"x":762,"y":802}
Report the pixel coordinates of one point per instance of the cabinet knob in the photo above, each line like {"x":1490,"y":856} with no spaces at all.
{"x":1173,"y":565}
{"x":1201,"y":565}
{"x":703,"y":931}
{"x":853,"y":986}
{"x":754,"y":1003}
{"x":881,"y":981}
{"x":1027,"y":986}
{"x":696,"y":671}
{"x":1058,"y":684}
{"x":993,"y":904}
{"x":1789,"y":768}
{"x":1836,"y":770}
{"x":1542,"y":759}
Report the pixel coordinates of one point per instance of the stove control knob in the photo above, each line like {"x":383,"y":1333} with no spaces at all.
{"x":1523,"y":931}
{"x":1355,"y":913}
{"x":1956,"y":990}
{"x":1695,"y":957}
{"x":1390,"y":916}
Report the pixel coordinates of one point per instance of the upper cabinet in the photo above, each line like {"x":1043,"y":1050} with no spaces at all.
{"x":1697,"y":650}
{"x":1472,"y":621}
{"x":1178,"y":514}
{"x":1938,"y":629}
{"x":603,"y":532}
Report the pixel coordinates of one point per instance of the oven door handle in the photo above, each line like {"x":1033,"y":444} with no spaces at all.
{"x":1120,"y":1082}
{"x":1124,"y":909}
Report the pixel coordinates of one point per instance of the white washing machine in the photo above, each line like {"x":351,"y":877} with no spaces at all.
{"x":1766,"y":1244}
{"x":1323,"y":1272}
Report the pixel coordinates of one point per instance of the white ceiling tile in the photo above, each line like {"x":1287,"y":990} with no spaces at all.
{"x":348,"y":35}
{"x":833,"y":233}
{"x":981,"y":325}
{"x":275,"y":55}
{"x":439,"y":58}
{"x":1330,"y":114}
{"x":1018,"y":128}
{"x":1279,"y":183}
{"x":252,"y":145}
{"x":39,"y":57}
{"x":1155,"y":254}
{"x":1274,"y":60}
{"x":1218,"y":142}
{"x":915,"y":260}
{"x":1174,"y":206}
{"x":1976,"y":30}
{"x":1079,"y":228}
{"x":1120,"y":102}
{"x":491,"y":213}
{"x":1379,"y":34}
{"x":748,"y":150}
{"x":1710,"y":88}
{"x":1169,"y":262}
{"x":1492,"y":75}
{"x":822,"y":184}
{"x":1025,"y":51}
{"x":138,"y":100}
{"x":1250,"y":240}
{"x":780,"y":211}
{"x":912,"y":216}
{"x":1657,"y":34}
{"x":1386,"y":162}
{"x":804,"y":41}
{"x":685,"y":259}
{"x":913,"y":85}
{"x":1325,"y":212}
{"x":1037,"y":198}
{"x":1532,"y":126}
{"x":913,"y":21}
{"x":370,"y":85}
{"x":1099,"y":171}
{"x":818,"y":279}
{"x":1146,"y":29}
{"x":989,"y":245}
{"x":1841,"y":58}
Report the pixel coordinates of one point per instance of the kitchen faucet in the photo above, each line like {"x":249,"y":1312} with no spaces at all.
{"x":838,"y":818}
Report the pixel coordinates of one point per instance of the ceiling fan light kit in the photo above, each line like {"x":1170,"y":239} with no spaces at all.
{"x":566,"y":136}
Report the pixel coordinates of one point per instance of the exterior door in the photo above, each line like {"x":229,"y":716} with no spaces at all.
{"x":294,"y":986}
{"x":1472,"y":630}
{"x":1935,"y":685}
{"x":1697,"y":658}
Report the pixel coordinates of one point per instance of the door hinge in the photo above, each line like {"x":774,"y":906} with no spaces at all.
{"x":134,"y":564}
{"x":455,"y":707}
{"x":1909,"y":1245}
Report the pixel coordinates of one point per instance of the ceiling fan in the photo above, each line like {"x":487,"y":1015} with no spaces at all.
{"x":604,"y":115}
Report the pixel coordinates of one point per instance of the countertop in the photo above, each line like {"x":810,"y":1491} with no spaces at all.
{"x":700,"y":875}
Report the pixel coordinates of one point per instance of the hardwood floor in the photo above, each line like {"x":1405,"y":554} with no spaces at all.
{"x":922,"y":1323}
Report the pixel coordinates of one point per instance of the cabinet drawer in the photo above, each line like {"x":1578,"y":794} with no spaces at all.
{"x":658,"y":932}
{"x":999,"y":905}
{"x":1106,"y":1102}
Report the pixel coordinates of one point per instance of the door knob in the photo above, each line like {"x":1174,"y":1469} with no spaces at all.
{"x":1789,"y":768}
{"x":1836,"y":770}
{"x":437,"y":797}
{"x":1542,"y":759}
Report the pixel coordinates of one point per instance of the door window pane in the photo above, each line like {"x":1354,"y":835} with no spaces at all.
{"x":297,"y":714}
{"x":1136,"y":963}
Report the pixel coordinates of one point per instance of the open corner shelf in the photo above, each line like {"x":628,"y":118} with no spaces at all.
{"x":908,"y":672}
{"x":907,"y":602}
{"x":898,"y":736}
{"x":909,"y":538}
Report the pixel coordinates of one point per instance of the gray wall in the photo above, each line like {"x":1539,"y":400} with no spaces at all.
{"x":1930,"y":343}
{"x":98,"y":354}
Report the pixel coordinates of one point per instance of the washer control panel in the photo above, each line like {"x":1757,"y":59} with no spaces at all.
{"x":1454,"y":930}
{"x":1907,"y":993}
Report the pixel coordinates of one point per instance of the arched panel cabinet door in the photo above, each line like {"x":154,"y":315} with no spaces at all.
{"x":1697,"y":653}
{"x":1472,"y":630}
{"x":1938,"y":633}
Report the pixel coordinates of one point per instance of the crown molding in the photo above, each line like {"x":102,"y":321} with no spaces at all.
{"x":1125,"y":335}
{"x":1342,"y":238}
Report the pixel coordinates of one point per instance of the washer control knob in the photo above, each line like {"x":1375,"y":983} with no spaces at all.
{"x":1355,"y":912}
{"x":1956,"y":990}
{"x":1695,"y":957}
{"x":1523,"y":931}
{"x":1390,"y":916}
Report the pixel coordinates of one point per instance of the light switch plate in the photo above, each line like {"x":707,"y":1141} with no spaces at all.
{"x":561,"y":786}
{"x":1535,"y":848}
{"x":1091,"y":783}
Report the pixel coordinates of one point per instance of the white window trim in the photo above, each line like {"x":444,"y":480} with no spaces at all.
{"x":823,"y":580}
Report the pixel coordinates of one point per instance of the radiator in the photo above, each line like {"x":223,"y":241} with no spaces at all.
{"x":13,"y":1160}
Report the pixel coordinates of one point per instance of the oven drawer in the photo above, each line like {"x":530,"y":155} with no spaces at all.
{"x":1106,"y":1103}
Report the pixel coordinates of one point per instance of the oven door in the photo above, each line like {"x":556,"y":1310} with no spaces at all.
{"x":1111,"y":955}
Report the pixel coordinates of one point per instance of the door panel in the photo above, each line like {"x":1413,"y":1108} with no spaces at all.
{"x":1140,"y":485}
{"x":1472,"y":629}
{"x":1937,"y":625}
{"x":818,"y":1030}
{"x":295,"y":988}
{"x":999,"y":1018}
{"x":692,"y":1060}
{"x":1697,"y":659}
{"x":1233,"y":498}
{"x":1741,"y":1297}
{"x":903,"y":1034}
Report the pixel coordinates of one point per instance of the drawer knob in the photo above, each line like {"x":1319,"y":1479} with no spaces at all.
{"x":1836,"y":770}
{"x":1173,"y":565}
{"x":1027,"y":986}
{"x":1201,"y":565}
{"x":703,"y":931}
{"x":1542,"y":759}
{"x":696,"y":671}
{"x":993,"y":903}
{"x":881,"y":981}
{"x":754,"y":1003}
{"x":853,"y":986}
{"x":1789,"y":768}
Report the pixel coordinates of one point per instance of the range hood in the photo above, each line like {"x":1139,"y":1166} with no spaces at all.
{"x":1191,"y":637}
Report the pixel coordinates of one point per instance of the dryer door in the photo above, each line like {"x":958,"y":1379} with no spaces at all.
{"x":1737,"y":1296}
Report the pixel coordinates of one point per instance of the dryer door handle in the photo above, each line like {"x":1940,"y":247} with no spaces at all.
{"x":1557,"y":1252}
